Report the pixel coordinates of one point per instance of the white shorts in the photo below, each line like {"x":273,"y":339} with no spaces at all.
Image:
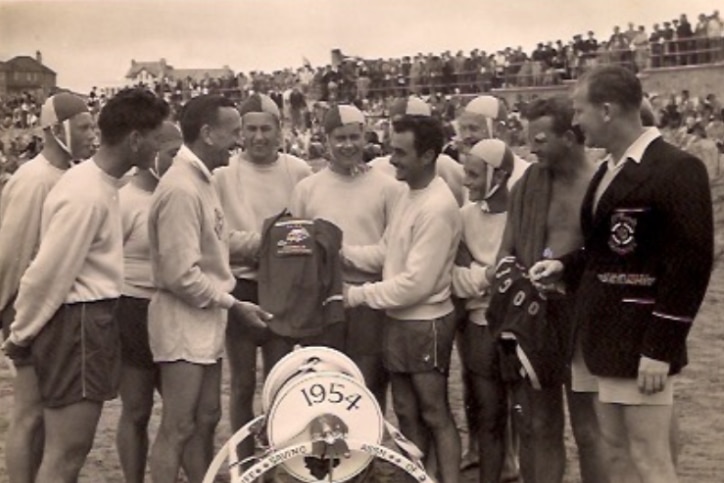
{"x":615,"y":390}
{"x":179,"y":332}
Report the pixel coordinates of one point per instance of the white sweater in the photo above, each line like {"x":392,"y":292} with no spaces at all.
{"x":80,"y":258}
{"x":135,"y":205}
{"x":447,"y":168}
{"x":21,"y":207}
{"x":251,"y":193}
{"x":189,"y":243}
{"x":188,"y":236}
{"x":483,"y":235}
{"x":416,"y":255}
{"x":361,"y":206}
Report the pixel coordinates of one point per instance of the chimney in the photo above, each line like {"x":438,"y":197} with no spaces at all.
{"x":39,"y":56}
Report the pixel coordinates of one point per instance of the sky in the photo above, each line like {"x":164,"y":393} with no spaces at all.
{"x":91,"y":43}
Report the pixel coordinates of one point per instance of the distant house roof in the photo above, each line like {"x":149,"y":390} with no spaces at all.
{"x":156,"y":69}
{"x":162,"y":69}
{"x":25,"y":63}
{"x":200,"y":74}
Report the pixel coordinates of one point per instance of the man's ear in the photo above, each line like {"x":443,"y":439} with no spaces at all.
{"x":135,"y":139}
{"x":570,"y":137}
{"x":428,"y":157}
{"x":608,"y":110}
{"x":58,"y":131}
{"x":205,"y":134}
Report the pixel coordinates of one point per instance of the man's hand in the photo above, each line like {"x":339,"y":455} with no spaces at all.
{"x":545,"y":274}
{"x":14,"y":351}
{"x":490,"y":273}
{"x":252,"y":315}
{"x":652,"y":375}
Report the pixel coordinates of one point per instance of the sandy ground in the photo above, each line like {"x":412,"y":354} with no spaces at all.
{"x":700,"y":398}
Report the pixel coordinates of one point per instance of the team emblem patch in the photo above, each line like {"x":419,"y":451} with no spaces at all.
{"x":623,"y":233}
{"x":296,"y":239}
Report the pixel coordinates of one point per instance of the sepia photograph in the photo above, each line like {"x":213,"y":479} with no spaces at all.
{"x":279,"y":241}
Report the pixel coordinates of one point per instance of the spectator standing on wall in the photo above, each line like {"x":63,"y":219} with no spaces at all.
{"x":715,"y":33}
{"x":702,"y":55}
{"x":617,"y":46}
{"x":670,"y":46}
{"x":684,"y":34}
{"x":640,"y":44}
{"x":656,"y":46}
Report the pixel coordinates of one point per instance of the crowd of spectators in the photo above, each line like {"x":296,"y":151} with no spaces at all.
{"x":678,"y":42}
{"x":684,"y":119}
{"x":696,"y":124}
{"x":305,"y":93}
{"x":693,"y":123}
{"x":20,"y":111}
{"x":19,"y":136}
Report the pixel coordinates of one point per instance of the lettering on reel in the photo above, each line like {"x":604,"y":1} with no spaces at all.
{"x":334,"y":393}
{"x":375,"y":451}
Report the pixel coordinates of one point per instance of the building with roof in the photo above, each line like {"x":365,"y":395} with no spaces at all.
{"x":27,"y":74}
{"x":148,"y":72}
{"x":157,"y":71}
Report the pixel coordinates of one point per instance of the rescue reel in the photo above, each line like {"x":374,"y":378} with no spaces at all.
{"x":320,"y":422}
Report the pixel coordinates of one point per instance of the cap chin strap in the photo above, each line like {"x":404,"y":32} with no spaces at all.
{"x":154,"y":170}
{"x":65,"y":146}
{"x":68,"y":137}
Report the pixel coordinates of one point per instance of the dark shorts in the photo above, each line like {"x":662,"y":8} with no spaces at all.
{"x":364,"y":326}
{"x":333,"y":336}
{"x":559,"y":312}
{"x":556,"y":359}
{"x":132,"y":315}
{"x":77,"y":355}
{"x":8,"y":315}
{"x":414,"y":346}
{"x":479,"y":351}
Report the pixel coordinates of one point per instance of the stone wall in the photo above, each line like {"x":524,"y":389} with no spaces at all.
{"x":700,"y":80}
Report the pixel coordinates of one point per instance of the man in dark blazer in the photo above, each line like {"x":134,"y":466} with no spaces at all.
{"x":642,"y":273}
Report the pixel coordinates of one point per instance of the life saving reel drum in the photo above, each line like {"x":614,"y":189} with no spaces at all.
{"x":320,"y":422}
